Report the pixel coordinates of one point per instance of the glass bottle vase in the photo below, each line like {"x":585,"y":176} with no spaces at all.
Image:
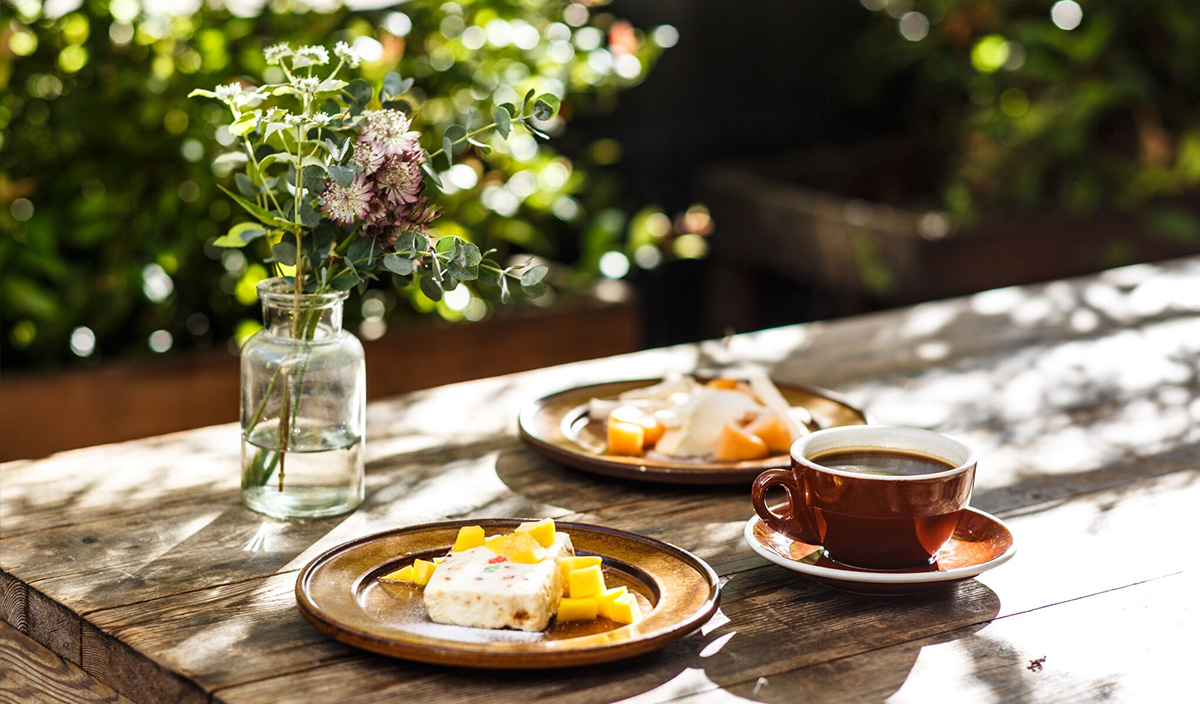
{"x":303,"y":407}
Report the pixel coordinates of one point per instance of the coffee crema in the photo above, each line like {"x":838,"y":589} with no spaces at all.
{"x":883,"y":462}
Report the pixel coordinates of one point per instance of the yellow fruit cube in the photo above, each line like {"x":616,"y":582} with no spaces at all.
{"x":404,"y":574}
{"x":438,"y":560}
{"x":468,"y":537}
{"x":585,"y":582}
{"x":771,"y":430}
{"x":652,"y":429}
{"x":422,"y":571}
{"x":625,"y":609}
{"x":576,"y":562}
{"x":625,"y":438}
{"x":518,"y":547}
{"x":606,"y":599}
{"x":577,"y":610}
{"x":541,"y":531}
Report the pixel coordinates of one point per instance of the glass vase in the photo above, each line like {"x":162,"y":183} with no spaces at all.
{"x":303,"y":407}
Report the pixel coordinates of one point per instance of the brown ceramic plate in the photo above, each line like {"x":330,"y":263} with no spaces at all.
{"x":558,"y":427}
{"x":340,"y":593}
{"x":980,"y":542}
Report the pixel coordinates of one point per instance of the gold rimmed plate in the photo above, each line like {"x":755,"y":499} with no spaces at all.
{"x":980,"y":542}
{"x":558,"y":427}
{"x":339,"y":592}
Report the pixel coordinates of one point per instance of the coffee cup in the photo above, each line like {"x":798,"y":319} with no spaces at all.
{"x":871,"y":496}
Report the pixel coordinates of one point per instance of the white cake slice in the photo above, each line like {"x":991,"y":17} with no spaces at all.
{"x":474,"y":588}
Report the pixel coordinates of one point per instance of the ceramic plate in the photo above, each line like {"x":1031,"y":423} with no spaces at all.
{"x":558,"y":426}
{"x":980,"y":542}
{"x":340,"y":593}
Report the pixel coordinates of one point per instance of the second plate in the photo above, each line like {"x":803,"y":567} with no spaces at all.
{"x":558,"y":427}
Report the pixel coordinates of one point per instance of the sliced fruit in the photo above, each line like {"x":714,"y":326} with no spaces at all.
{"x":606,"y":599}
{"x":518,"y":547}
{"x":585,"y":582}
{"x":625,"y":609}
{"x":723,"y":382}
{"x":422,"y":571}
{"x":578,"y":609}
{"x":626,"y":438}
{"x":736,"y":445}
{"x":468,"y":537}
{"x":771,"y":430}
{"x":652,"y":430}
{"x":576,"y":562}
{"x":404,"y":574}
{"x":541,"y":531}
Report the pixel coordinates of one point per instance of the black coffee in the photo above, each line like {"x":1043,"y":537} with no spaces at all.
{"x":892,"y":463}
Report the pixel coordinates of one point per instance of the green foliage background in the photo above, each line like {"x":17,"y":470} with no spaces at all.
{"x":101,"y":140}
{"x":1020,"y":114}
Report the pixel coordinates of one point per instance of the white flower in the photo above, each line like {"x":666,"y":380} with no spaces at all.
{"x":293,"y":120}
{"x":306,"y":85}
{"x":229,"y":93}
{"x":275,"y":54}
{"x":388,"y":131}
{"x":320,"y":119}
{"x":318,"y":55}
{"x":343,"y":51}
{"x":345,"y":204}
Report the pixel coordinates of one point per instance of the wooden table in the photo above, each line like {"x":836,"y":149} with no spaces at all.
{"x":131,"y":572}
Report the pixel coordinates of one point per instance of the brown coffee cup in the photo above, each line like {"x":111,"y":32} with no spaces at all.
{"x":876,"y":520}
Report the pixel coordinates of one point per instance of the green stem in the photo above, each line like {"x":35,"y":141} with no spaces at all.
{"x":462,"y":139}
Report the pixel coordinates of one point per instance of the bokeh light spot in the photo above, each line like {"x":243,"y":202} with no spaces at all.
{"x":1066,"y":14}
{"x":83,"y":341}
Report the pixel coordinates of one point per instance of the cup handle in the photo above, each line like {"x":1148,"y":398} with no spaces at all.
{"x":795,"y":523}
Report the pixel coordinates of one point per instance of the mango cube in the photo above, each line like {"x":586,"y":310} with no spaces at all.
{"x":652,"y":430}
{"x":606,"y":598}
{"x":625,"y":439}
{"x":722,"y":382}
{"x":404,"y":574}
{"x":541,"y":531}
{"x":576,"y":562}
{"x":736,"y":445}
{"x":422,"y":571}
{"x":438,"y":560}
{"x":468,"y":537}
{"x":577,"y":609}
{"x":518,"y":547}
{"x":771,"y":430}
{"x":625,"y":609}
{"x":585,"y":582}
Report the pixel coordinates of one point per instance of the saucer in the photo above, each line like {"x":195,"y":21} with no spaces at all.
{"x":980,"y":542}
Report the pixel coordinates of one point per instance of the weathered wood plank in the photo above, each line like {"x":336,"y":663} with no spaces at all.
{"x":1135,"y":652}
{"x":31,"y":673}
{"x":14,"y":602}
{"x":133,"y":675}
{"x":264,"y":636}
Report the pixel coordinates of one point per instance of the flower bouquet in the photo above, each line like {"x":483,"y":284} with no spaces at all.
{"x":342,"y":188}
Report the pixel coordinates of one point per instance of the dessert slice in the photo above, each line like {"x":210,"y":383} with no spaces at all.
{"x":480,"y":588}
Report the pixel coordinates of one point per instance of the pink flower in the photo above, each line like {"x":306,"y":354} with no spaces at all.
{"x":399,"y":180}
{"x":388,"y":131}
{"x":345,"y":204}
{"x":367,"y":157}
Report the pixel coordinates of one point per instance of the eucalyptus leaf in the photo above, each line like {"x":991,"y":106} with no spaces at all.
{"x":503,"y":122}
{"x":398,"y":264}
{"x":430,"y":288}
{"x":534,"y":291}
{"x":429,"y":171}
{"x":359,"y":92}
{"x":284,"y":253}
{"x":344,"y":281}
{"x":546,"y":106}
{"x":309,"y":215}
{"x":489,"y":274}
{"x":525,"y":102}
{"x":314,"y":179}
{"x":448,"y":150}
{"x":244,"y":185}
{"x":446,"y":246}
{"x":331,"y":84}
{"x":402,"y":105}
{"x":393,"y":85}
{"x":533,"y":275}
{"x":232,"y":158}
{"x":244,"y":125}
{"x":344,"y":175}
{"x":362,"y":252}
